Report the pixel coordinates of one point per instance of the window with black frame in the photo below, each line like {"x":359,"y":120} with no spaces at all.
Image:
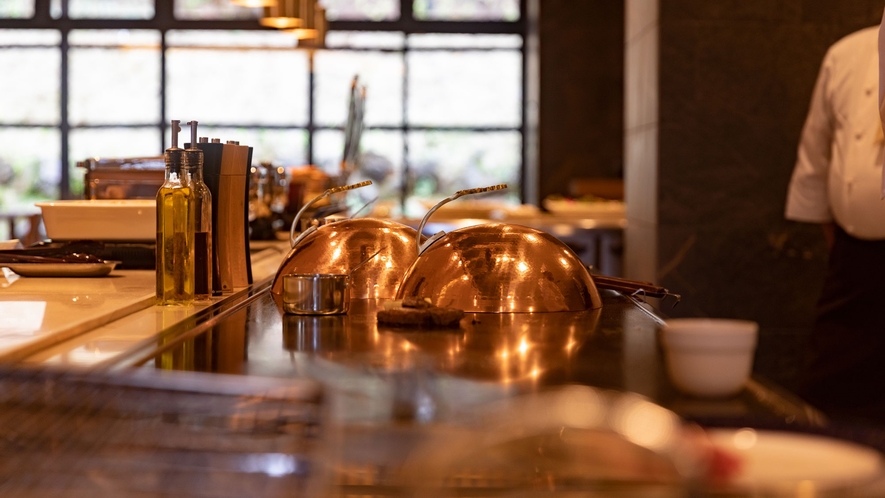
{"x":102,"y":78}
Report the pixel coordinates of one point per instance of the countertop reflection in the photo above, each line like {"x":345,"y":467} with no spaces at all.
{"x":489,"y":357}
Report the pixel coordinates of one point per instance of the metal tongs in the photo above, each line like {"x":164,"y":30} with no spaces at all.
{"x":21,"y":256}
{"x":634,"y":288}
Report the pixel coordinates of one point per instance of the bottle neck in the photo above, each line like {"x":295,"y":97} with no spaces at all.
{"x":175,"y":174}
{"x":194,"y":173}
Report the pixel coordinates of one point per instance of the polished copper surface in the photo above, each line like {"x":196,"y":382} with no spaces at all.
{"x":339,"y":247}
{"x":505,"y":348}
{"x":501,"y":268}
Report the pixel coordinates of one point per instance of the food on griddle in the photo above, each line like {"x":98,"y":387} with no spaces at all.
{"x":416,"y":312}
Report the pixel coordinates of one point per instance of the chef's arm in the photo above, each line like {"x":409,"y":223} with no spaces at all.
{"x":807,"y":196}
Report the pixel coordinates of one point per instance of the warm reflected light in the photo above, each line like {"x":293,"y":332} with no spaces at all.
{"x":252,"y":4}
{"x":645,"y":424}
{"x":581,"y":407}
{"x":563,"y":262}
{"x":272,"y":464}
{"x":523,"y":347}
{"x":531,"y":237}
{"x":522,"y":267}
{"x":280,"y":22}
{"x":806,"y":489}
{"x":744,"y":439}
{"x":21,"y":317}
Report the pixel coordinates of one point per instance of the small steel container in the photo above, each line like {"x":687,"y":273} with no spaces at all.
{"x":316,"y":293}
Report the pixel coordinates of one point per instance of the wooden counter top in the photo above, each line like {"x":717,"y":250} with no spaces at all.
{"x":41,"y":312}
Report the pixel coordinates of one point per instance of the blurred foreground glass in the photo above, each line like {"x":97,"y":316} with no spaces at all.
{"x":269,"y":77}
{"x":114,"y":77}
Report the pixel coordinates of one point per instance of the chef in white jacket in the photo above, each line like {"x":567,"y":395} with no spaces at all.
{"x":837,"y":183}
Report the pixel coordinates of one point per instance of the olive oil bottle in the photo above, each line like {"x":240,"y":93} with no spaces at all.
{"x":202,"y":207}
{"x":175,"y":230}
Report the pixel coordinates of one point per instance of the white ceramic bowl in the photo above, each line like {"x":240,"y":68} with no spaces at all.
{"x":709,"y":357}
{"x":123,"y":219}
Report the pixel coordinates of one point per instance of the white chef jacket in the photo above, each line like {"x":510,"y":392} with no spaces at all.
{"x":838,"y":172}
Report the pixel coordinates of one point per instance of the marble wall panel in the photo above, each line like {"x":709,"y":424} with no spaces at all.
{"x":735,"y":80}
{"x":641,"y":80}
{"x":641,"y":193}
{"x":639,"y":16}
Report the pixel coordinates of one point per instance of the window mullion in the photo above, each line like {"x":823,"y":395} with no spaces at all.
{"x":64,"y":127}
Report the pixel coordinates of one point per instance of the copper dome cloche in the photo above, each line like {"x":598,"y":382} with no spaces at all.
{"x":385,"y":247}
{"x":499,"y":268}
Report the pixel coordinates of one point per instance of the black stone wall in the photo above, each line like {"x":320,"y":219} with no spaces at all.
{"x":581,"y":91}
{"x":736,"y":77}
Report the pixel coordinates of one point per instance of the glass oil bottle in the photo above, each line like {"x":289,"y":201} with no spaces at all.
{"x":202,"y":207}
{"x":175,"y":230}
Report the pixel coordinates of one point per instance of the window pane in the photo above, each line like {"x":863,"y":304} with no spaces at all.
{"x":237,"y":85}
{"x":459,"y":10}
{"x":280,"y":147}
{"x":17,"y":9}
{"x":381,"y":74}
{"x":213,"y":9}
{"x":113,"y":142}
{"x":465,"y":88}
{"x":29,"y":167}
{"x":361,"y":10}
{"x":117,"y":83}
{"x":443,"y":162}
{"x":381,"y":160}
{"x":33,"y":96}
{"x":445,"y":40}
{"x":29,"y":37}
{"x":364,"y":39}
{"x":111,"y":9}
{"x":231,"y":39}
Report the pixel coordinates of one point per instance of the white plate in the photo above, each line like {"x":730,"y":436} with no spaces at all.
{"x":773,"y":461}
{"x":587,"y":208}
{"x":62,"y":269}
